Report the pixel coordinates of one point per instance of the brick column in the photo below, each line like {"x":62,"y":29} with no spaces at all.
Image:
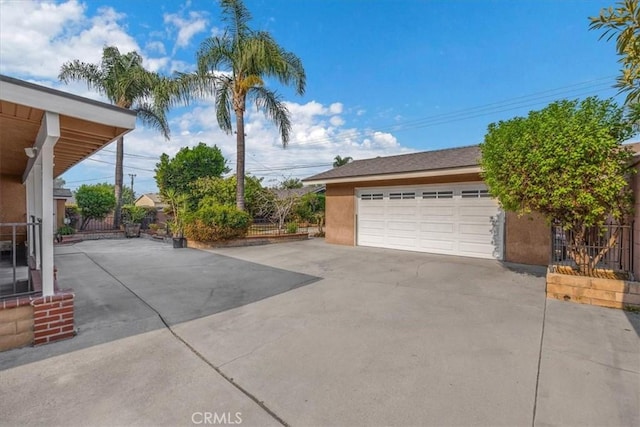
{"x":53,"y":318}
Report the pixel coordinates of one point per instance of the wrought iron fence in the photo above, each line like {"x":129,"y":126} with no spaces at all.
{"x":15,"y":279}
{"x":264,"y":227}
{"x":593,"y":250}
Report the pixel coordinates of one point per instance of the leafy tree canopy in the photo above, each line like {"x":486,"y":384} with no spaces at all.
{"x":341,"y":161}
{"x":565,"y":161}
{"x":189,"y":164}
{"x":95,"y":201}
{"x":291,"y":183}
{"x":222,"y":191}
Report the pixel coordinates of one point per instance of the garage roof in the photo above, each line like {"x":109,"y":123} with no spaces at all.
{"x":434,"y":162}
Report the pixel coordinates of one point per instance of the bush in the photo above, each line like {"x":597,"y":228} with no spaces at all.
{"x":95,"y":202}
{"x":132,"y":214}
{"x":214,"y":223}
{"x":292,"y":228}
{"x":66,"y":230}
{"x":73,"y":213}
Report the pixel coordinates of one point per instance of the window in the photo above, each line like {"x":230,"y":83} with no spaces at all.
{"x":402,"y":196}
{"x":371,"y":196}
{"x":447,"y":194}
{"x":474,"y":194}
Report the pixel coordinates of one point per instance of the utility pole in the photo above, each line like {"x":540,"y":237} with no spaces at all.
{"x":132,"y":175}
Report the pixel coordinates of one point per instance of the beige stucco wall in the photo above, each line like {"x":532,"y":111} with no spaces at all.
{"x":12,"y":199}
{"x":339,"y":214}
{"x":13,"y":204}
{"x":527,"y":239}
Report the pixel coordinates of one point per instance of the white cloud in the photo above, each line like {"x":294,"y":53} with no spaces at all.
{"x":188,"y":27}
{"x":38,"y":37}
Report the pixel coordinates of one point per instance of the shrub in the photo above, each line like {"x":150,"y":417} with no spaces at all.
{"x":214,"y":223}
{"x":73,"y":213}
{"x":66,"y":230}
{"x":133,"y":214}
{"x":95,"y":202}
{"x":292,"y":227}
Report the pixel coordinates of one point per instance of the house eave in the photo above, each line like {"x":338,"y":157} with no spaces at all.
{"x":395,"y":176}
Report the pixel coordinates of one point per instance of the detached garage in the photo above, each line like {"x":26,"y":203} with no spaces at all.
{"x":433,"y":202}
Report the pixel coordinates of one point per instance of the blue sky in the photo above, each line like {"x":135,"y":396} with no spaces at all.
{"x":383,"y":77}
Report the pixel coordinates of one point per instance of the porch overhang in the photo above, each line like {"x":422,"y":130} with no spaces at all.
{"x":85,"y":125}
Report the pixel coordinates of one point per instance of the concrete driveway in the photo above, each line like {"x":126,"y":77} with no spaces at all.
{"x":307,"y":333}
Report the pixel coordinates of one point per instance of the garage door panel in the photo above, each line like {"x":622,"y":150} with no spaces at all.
{"x":451,"y":224}
{"x":443,"y":227}
{"x":475,"y":229}
{"x":438,"y":245}
{"x":431,"y":211}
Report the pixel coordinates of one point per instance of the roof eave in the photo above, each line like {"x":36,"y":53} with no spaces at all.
{"x":392,"y":176}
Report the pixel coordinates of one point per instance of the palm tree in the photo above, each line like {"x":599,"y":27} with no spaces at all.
{"x":237,"y":64}
{"x":127,"y":84}
{"x":340,"y":161}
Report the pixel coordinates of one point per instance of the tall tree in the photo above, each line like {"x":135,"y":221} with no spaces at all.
{"x":189,"y":164}
{"x":127,"y":84}
{"x":341,"y":161}
{"x":238,"y":62}
{"x":568,"y":163}
{"x":623,"y":22}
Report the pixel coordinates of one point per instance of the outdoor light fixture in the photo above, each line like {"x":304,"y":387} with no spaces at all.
{"x":30,"y":152}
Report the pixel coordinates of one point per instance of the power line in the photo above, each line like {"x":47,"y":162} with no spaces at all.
{"x":128,"y":167}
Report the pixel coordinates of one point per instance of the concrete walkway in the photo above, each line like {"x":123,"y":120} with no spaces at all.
{"x":307,"y":333}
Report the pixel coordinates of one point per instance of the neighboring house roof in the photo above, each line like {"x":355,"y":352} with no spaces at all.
{"x":62,"y":193}
{"x":407,"y":165}
{"x":153,"y":198}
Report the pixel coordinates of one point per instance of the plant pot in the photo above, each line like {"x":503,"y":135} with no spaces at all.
{"x":132,"y":230}
{"x":179,"y":242}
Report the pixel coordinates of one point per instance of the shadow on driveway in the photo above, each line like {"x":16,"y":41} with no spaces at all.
{"x":128,"y":287}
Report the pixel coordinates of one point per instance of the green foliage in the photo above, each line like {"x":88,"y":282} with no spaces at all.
{"x":222,"y":191}
{"x":73,"y":213}
{"x":94,"y":201}
{"x":341,"y":161}
{"x":188,"y":165}
{"x":123,"y":79}
{"x":132,"y":214}
{"x":623,"y":23}
{"x":234,"y":67}
{"x":309,"y":206}
{"x":291,"y":183}
{"x":177,"y":208}
{"x":565,"y":161}
{"x":66,"y":230}
{"x":291,"y":228}
{"x":216,"y":222}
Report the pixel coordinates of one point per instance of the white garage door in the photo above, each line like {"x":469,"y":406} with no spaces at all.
{"x":460,"y":219}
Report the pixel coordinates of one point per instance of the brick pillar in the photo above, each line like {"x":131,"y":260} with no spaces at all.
{"x":53,"y":318}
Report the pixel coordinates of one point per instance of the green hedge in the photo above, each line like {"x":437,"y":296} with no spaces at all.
{"x":214,"y":223}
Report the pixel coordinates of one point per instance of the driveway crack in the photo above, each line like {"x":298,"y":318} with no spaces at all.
{"x":191,"y":348}
{"x":535,"y":398}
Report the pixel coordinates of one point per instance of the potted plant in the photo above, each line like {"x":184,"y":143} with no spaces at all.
{"x":133,"y":220}
{"x":177,"y":205}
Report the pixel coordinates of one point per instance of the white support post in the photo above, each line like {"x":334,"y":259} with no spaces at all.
{"x":47,"y":220}
{"x":47,"y":138}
